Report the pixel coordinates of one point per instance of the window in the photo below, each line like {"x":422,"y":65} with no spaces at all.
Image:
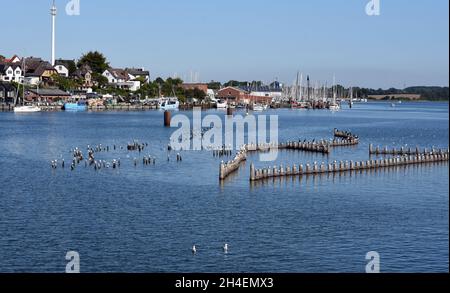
{"x":6,"y":78}
{"x":9,"y":72}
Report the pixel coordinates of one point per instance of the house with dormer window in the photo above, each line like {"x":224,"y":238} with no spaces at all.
{"x":121,"y":79}
{"x":11,"y":72}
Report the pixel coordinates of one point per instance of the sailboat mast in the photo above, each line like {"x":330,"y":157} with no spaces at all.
{"x":23,"y":81}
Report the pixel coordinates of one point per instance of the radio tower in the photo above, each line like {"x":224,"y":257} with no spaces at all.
{"x":53,"y":13}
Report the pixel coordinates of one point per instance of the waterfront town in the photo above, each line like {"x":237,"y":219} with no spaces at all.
{"x":33,"y":84}
{"x":91,"y":80}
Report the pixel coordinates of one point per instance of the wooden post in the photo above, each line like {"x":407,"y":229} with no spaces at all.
{"x":167,"y":118}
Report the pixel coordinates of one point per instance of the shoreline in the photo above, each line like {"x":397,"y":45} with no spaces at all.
{"x":131,"y":108}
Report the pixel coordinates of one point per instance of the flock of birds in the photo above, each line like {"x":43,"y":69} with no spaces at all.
{"x":78,"y":157}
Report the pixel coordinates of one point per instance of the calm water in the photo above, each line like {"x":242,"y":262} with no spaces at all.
{"x":146,"y":219}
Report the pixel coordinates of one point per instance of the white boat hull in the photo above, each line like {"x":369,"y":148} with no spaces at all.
{"x":27,"y":109}
{"x":335,"y":108}
{"x":222,"y":105}
{"x":260,"y":108}
{"x":169,"y":105}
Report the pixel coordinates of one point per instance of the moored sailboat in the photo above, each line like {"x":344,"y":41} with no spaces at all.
{"x":24,"y":108}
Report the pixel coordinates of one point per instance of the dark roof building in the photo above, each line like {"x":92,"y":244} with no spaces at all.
{"x":47,"y":95}
{"x":7,"y":92}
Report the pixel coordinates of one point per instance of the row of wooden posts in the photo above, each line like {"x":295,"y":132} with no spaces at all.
{"x":232,"y":166}
{"x":322,"y":146}
{"x":345,"y":166}
{"x":345,"y":134}
{"x":399,"y":152}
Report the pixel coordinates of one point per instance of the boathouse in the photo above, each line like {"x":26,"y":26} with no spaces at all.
{"x":47,"y":95}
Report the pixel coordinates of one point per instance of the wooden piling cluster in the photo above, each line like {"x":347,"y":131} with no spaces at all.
{"x":323,"y":146}
{"x":316,"y":147}
{"x":345,"y":134}
{"x":346,"y":166}
{"x":222,"y":152}
{"x":136,"y":146}
{"x":402,"y":151}
{"x":344,"y":142}
{"x":227,"y":168}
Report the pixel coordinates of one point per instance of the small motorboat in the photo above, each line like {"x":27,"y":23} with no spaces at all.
{"x":335,"y":107}
{"x":260,"y":108}
{"x":222,"y":104}
{"x":169,"y":104}
{"x":79,"y":106}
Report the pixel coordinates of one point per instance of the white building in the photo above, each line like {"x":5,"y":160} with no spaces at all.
{"x":120,"y":78}
{"x":140,"y":73}
{"x":11,"y":72}
{"x":62,"y":69}
{"x":211,"y":95}
{"x":268,"y":94}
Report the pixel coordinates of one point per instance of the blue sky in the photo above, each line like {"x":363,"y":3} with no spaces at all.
{"x":408,"y":44}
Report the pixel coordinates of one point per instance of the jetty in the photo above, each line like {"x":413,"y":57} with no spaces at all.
{"x":232,"y":166}
{"x":346,"y":166}
{"x":345,"y":134}
{"x":322,"y":147}
{"x":400,"y":152}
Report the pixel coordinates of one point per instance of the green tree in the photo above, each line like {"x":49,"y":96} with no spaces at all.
{"x":159,"y":81}
{"x":96,"y":60}
{"x":195,"y":94}
{"x":172,"y":86}
{"x":64,"y":83}
{"x":72,"y":67}
{"x":101,"y":80}
{"x":214,"y":85}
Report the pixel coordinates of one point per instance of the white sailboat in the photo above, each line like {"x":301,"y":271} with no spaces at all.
{"x":24,"y":108}
{"x":334,"y":106}
{"x":27,"y":109}
{"x":350,"y":103}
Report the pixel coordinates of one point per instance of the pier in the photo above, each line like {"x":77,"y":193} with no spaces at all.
{"x":400,"y":152}
{"x":232,"y":166}
{"x":346,"y":166}
{"x":322,"y":147}
{"x":345,"y":135}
